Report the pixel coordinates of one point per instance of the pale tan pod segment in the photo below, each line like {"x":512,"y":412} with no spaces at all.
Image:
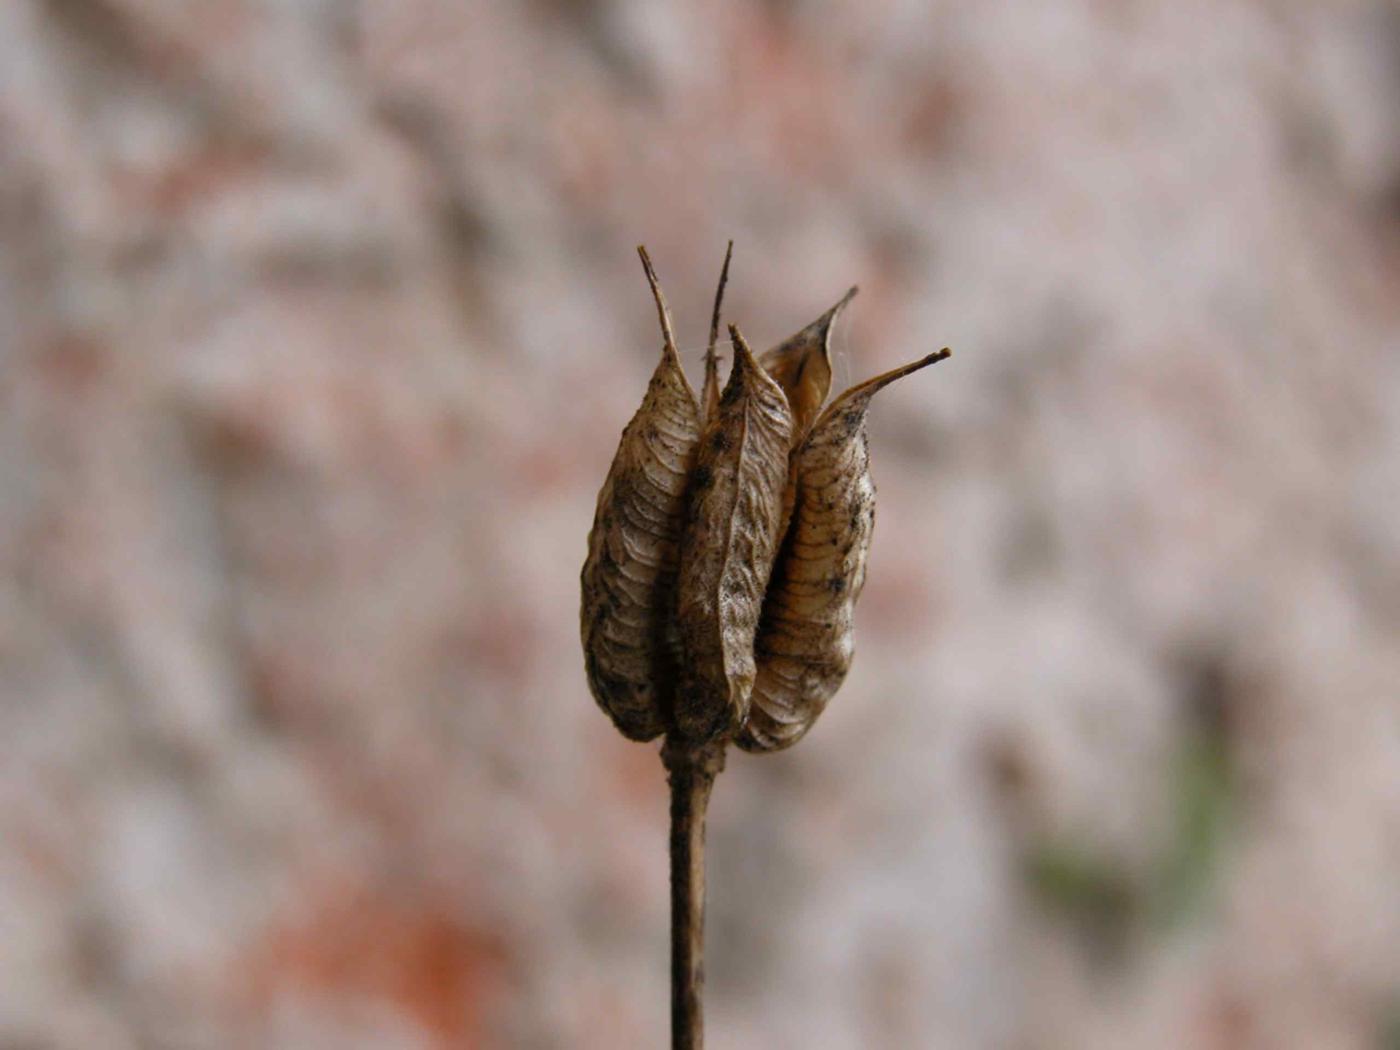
{"x":630,"y":643}
{"x":805,"y":642}
{"x":801,"y":365}
{"x":731,"y":535}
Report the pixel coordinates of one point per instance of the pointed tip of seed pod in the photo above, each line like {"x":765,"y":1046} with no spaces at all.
{"x":824,"y":323}
{"x":816,"y":337}
{"x":801,"y":365}
{"x":820,"y":329}
{"x":851,"y":293}
{"x":719,"y":298}
{"x":748,"y":372}
{"x":745,"y":364}
{"x":710,"y":396}
{"x":861,"y":393}
{"x":741,"y":348}
{"x":886,"y":378}
{"x":662,"y":311}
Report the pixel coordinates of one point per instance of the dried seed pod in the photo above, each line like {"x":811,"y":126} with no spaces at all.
{"x":733,"y":520}
{"x":630,"y":642}
{"x":805,"y":643}
{"x":801,"y":365}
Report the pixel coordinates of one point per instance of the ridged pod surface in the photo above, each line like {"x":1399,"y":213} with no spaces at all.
{"x":733,"y":520}
{"x":630,"y":643}
{"x":805,"y":642}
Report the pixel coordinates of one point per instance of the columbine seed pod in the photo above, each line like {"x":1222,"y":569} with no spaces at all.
{"x":630,"y":641}
{"x":805,"y":640}
{"x":724,"y":563}
{"x":733,"y":524}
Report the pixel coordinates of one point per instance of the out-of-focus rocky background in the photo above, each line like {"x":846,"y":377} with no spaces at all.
{"x":318,"y":324}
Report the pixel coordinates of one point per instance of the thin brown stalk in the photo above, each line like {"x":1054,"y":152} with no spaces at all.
{"x":691,"y":770}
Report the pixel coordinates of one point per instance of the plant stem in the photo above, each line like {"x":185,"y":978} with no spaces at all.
{"x":691,"y":769}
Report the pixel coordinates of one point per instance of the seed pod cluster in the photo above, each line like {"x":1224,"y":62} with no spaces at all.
{"x":729,"y":544}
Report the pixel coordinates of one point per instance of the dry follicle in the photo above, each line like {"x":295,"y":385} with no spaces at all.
{"x":728,"y":543}
{"x":630,"y":642}
{"x":806,"y":640}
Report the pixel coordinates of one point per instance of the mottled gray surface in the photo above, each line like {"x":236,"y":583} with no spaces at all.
{"x":318,"y":325}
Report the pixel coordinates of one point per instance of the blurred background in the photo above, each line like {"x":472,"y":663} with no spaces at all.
{"x":318,"y":325}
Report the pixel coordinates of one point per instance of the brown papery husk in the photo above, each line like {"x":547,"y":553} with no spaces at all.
{"x":733,"y":520}
{"x":630,"y":641}
{"x":805,"y":642}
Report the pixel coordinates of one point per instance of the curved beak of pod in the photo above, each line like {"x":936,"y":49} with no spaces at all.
{"x":801,"y":365}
